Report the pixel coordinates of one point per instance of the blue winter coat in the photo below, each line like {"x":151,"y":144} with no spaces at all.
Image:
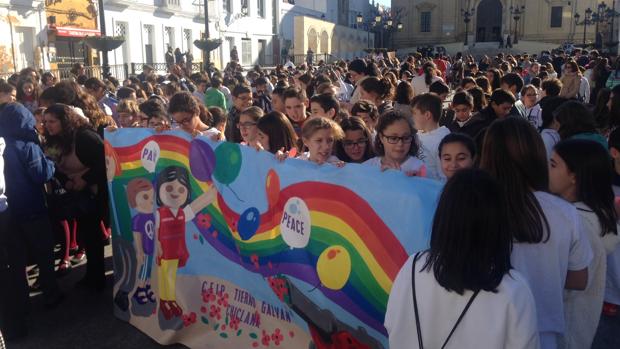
{"x":26,"y":169}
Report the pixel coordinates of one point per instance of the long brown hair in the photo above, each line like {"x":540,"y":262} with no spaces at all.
{"x":88,"y":104}
{"x":514,"y":153}
{"x":70,"y":122}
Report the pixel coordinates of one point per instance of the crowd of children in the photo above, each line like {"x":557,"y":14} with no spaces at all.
{"x":524,"y":245}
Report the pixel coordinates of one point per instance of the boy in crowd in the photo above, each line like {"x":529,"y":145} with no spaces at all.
{"x":441,"y":89}
{"x":277,"y":99}
{"x":295,"y":104}
{"x":262,"y":98}
{"x":201,"y":88}
{"x":213,"y":96}
{"x":513,"y":83}
{"x":324,"y":105}
{"x":464,"y":120}
{"x":242,"y":99}
{"x":427,"y":109}
{"x":500,"y":106}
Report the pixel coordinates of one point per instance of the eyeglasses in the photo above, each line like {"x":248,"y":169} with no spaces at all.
{"x":246,"y":125}
{"x":358,"y":143}
{"x":185,"y":121}
{"x":395,"y":139}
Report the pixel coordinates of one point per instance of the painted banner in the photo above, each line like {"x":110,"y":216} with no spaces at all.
{"x":217,"y":245}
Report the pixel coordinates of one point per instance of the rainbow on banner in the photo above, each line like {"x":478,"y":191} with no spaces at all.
{"x":318,"y":232}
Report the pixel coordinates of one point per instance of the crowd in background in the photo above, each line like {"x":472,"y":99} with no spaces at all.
{"x":523,"y":249}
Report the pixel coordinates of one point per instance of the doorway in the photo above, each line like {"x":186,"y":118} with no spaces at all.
{"x":489,"y":21}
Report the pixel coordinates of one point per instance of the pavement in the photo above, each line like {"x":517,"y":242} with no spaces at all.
{"x":85,"y":320}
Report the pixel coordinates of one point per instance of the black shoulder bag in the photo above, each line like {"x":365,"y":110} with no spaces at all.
{"x":415,"y":307}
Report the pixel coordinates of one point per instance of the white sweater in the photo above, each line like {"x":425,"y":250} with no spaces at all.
{"x":545,"y":264}
{"x":582,"y":309}
{"x":506,"y":319}
{"x":429,"y":142}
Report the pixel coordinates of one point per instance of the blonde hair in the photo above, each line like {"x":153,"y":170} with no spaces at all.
{"x":316,"y":124}
{"x":128,"y":106}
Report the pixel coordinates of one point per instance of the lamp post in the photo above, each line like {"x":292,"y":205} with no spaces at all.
{"x":604,"y":16}
{"x":586,"y":21}
{"x":359,"y":19}
{"x":467,"y":15}
{"x":516,"y":13}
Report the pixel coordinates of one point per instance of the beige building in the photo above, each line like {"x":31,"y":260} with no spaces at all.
{"x":324,"y":37}
{"x":442,"y":22}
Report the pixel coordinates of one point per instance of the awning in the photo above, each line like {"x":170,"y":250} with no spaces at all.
{"x":74,"y":32}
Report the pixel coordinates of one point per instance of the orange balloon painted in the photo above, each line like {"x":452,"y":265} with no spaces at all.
{"x":273,"y":188}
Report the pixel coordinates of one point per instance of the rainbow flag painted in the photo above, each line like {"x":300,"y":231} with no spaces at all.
{"x":217,"y":245}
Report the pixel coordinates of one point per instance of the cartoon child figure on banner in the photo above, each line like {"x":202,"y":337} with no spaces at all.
{"x":141,"y":197}
{"x":175,"y":210}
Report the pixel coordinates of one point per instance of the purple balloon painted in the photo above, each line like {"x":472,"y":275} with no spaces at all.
{"x":201,"y":160}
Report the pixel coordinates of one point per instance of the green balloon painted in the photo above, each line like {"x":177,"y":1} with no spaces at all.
{"x":227,"y":162}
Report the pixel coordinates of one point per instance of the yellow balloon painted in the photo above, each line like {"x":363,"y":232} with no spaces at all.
{"x":334,"y":267}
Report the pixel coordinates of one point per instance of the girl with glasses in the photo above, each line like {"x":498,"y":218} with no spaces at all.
{"x":356,"y":146}
{"x":533,"y":111}
{"x":397,"y":145}
{"x":248,"y":119}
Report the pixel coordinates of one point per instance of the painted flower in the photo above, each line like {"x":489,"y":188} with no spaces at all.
{"x":216,"y":312}
{"x":266,"y":338}
{"x":186,"y":320}
{"x":234,"y":323}
{"x":277,"y":337}
{"x":208,"y":296}
{"x":203,"y":220}
{"x":223,"y":300}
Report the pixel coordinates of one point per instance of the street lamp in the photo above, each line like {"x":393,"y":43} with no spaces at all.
{"x":378,"y":18}
{"x":467,"y":14}
{"x":604,"y":16}
{"x":516,"y":12}
{"x":358,"y":20}
{"x":389,"y":22}
{"x":586,"y":22}
{"x":399,"y":26}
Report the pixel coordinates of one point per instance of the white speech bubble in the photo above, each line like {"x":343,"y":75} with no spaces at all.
{"x":295,"y":223}
{"x":149,"y":156}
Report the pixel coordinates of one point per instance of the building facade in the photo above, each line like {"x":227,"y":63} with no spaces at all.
{"x":437,"y":22}
{"x":49,"y":34}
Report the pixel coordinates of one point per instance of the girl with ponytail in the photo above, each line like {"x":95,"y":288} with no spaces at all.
{"x":378,"y":91}
{"x":421,"y":83}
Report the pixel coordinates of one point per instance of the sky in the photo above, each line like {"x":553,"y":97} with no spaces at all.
{"x":384,"y":2}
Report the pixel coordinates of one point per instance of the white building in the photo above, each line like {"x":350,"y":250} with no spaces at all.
{"x":23,"y":42}
{"x":149,"y":27}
